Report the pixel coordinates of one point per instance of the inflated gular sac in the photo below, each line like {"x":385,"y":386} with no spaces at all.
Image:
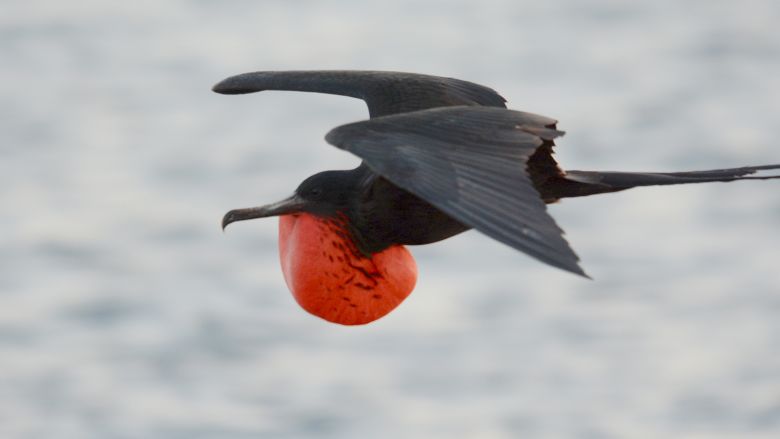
{"x":331,"y":279}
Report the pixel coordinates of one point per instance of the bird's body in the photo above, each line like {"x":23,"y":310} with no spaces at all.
{"x":380,"y":214}
{"x":440,"y":156}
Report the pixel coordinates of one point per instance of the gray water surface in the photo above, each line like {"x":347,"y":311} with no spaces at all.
{"x":126,"y":313}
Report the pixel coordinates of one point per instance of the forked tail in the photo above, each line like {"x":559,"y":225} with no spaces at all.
{"x":594,"y":182}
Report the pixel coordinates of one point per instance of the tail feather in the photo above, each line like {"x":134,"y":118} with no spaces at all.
{"x":617,"y":181}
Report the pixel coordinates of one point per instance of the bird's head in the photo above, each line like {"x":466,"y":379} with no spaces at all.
{"x":325,"y":270}
{"x":322,"y":194}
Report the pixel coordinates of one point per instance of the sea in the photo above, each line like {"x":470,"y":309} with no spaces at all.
{"x":125,"y":311}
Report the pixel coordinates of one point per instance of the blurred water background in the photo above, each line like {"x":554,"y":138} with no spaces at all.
{"x":126,"y":313}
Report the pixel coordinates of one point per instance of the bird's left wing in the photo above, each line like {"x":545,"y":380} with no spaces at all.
{"x":385,"y":93}
{"x":469,"y":162}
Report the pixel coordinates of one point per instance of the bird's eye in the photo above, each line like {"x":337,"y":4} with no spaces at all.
{"x":315,"y":192}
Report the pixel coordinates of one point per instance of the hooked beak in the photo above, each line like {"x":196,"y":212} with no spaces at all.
{"x":290,"y":205}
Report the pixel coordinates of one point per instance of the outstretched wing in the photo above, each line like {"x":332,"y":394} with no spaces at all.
{"x":385,"y":93}
{"x":469,"y":162}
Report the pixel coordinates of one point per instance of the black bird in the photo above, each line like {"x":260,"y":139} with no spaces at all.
{"x":440,"y":156}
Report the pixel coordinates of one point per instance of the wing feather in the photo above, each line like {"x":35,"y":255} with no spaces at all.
{"x":469,"y":162}
{"x":385,"y":93}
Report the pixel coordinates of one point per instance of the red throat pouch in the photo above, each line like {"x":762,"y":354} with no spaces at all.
{"x":331,"y":279}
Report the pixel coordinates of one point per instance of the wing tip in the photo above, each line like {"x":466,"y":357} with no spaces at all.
{"x":229,"y":86}
{"x":572,"y":266}
{"x":582,"y":273}
{"x":240,"y":84}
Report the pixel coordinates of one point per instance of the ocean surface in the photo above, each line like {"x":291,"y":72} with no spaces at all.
{"x":125,"y":312}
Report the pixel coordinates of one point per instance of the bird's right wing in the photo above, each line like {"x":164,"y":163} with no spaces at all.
{"x":469,"y":162}
{"x":385,"y":93}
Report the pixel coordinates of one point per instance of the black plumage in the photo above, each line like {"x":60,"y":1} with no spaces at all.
{"x":440,"y":156}
{"x":385,"y":93}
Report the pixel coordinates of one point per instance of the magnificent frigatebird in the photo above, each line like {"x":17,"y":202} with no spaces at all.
{"x":439,"y":156}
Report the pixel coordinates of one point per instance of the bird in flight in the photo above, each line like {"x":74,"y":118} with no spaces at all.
{"x":439,"y":156}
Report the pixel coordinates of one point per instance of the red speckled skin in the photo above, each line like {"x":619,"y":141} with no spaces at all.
{"x":331,"y":279}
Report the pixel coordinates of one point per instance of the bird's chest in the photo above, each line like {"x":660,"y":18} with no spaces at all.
{"x":394,"y":216}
